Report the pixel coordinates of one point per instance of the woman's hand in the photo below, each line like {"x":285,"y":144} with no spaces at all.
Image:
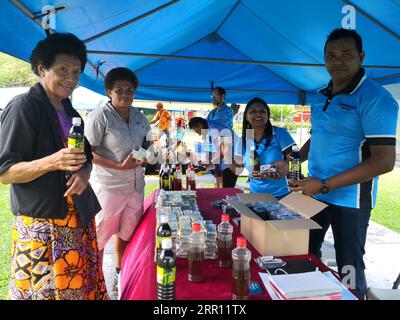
{"x":78,"y":182}
{"x":282,"y":169}
{"x":130,"y":163}
{"x":68,"y":159}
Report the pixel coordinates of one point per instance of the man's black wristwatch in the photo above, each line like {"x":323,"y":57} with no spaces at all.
{"x":323,"y":187}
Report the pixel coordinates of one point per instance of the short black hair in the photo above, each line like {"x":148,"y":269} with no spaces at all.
{"x":220,"y":90}
{"x":47,"y":49}
{"x":341,"y":33}
{"x":195,"y":121}
{"x":120,"y":74}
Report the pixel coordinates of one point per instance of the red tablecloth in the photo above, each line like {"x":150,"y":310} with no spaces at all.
{"x":138,"y":272}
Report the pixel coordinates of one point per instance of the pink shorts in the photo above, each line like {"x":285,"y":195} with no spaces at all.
{"x":120,"y":215}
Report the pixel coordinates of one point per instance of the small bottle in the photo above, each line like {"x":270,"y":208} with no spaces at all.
{"x":163,"y":232}
{"x":197,"y":244}
{"x":172,"y":177}
{"x":295,"y":165}
{"x":76,"y":135}
{"x":225,"y":230}
{"x":178,"y":179}
{"x":190,"y":178}
{"x":160,"y":176}
{"x":255,"y":159}
{"x":241,"y":257}
{"x":165,"y":179}
{"x":166,"y":272}
{"x":75,"y":138}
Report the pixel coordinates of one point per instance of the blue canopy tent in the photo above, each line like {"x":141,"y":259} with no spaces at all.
{"x":180,"y":49}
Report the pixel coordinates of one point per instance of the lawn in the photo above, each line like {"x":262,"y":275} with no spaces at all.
{"x":387,"y":213}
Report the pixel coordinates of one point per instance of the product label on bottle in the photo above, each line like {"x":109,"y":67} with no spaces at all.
{"x":166,"y":276}
{"x":74,"y":143}
{"x":159,"y":240}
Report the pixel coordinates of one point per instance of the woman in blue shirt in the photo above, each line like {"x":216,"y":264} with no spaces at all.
{"x":271,"y":144}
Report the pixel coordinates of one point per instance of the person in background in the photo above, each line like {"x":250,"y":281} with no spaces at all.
{"x":221,"y":112}
{"x":270,"y":144}
{"x":235,"y":108}
{"x":54,"y":247}
{"x":353,"y":141}
{"x":163,"y":117}
{"x":213,"y":132}
{"x":114,"y":131}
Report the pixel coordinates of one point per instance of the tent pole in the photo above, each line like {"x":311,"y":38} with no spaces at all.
{"x":191,"y":58}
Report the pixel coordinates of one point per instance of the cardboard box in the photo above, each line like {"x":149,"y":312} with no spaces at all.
{"x":278,"y":237}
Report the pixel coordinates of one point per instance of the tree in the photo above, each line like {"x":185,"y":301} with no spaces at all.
{"x":279,"y":112}
{"x":15,"y":72}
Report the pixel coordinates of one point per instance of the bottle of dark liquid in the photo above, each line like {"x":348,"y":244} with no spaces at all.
{"x":295,"y":165}
{"x":255,"y":159}
{"x":178,"y":179}
{"x":241,"y":257}
{"x":197,"y":244}
{"x":172,"y":177}
{"x":190,"y":178}
{"x":75,"y":138}
{"x":163,"y":232}
{"x":160,"y":176}
{"x":166,"y":272}
{"x":165,"y":179}
{"x":225,"y":230}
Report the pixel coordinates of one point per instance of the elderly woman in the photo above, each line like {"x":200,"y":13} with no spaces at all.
{"x":114,"y":131}
{"x":54,"y":254}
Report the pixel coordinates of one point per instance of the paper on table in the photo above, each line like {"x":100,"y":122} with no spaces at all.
{"x":346,"y":293}
{"x":305,"y":284}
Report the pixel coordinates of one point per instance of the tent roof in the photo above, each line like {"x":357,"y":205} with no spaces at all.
{"x":180,"y":49}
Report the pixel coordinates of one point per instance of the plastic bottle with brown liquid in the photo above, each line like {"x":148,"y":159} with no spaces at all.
{"x":225,"y":230}
{"x":241,"y":257}
{"x":197,"y":244}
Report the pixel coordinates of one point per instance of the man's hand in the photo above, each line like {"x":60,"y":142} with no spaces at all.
{"x":309,"y":186}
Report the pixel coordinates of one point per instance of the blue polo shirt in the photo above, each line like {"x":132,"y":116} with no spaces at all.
{"x":222,"y":115}
{"x":342,"y":128}
{"x":280,"y":141}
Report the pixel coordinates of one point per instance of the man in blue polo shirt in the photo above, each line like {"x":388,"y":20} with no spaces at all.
{"x":221,"y":112}
{"x":353,"y":130}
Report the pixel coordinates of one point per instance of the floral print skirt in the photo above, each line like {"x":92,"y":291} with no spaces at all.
{"x":55,"y":259}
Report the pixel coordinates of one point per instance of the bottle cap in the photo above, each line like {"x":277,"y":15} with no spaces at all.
{"x":76,"y":121}
{"x":196,"y":227}
{"x":164,"y":218}
{"x":225,"y":218}
{"x":166,"y":243}
{"x":241,"y":242}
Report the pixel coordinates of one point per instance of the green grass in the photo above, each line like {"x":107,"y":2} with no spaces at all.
{"x":387,"y":213}
{"x":6,"y":222}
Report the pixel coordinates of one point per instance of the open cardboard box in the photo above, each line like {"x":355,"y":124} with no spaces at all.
{"x":278,"y":237}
